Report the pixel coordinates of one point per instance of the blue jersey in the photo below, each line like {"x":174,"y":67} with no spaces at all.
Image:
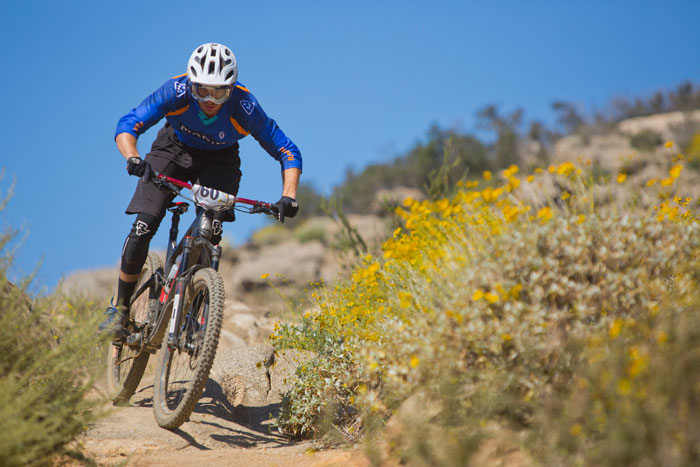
{"x":239,"y":116}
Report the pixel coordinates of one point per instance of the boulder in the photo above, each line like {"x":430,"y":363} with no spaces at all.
{"x":243,"y":375}
{"x":252,"y":380}
{"x":667,"y":125}
{"x":608,"y":151}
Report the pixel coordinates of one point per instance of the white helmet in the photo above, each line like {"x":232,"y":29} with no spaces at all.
{"x":212,"y":65}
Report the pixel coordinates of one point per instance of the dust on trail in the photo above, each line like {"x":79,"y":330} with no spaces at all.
{"x":216,"y":434}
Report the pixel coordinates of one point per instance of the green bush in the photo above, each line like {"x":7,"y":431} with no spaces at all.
{"x":47,"y":368}
{"x":269,"y":235}
{"x":646,"y":140}
{"x":312,"y":229}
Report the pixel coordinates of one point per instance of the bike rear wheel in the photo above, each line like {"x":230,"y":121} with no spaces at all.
{"x":126,"y":364}
{"x":183,"y":369}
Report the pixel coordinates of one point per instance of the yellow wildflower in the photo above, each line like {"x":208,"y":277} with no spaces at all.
{"x":405,"y":299}
{"x":264,"y":276}
{"x":675,"y":171}
{"x":510,"y":171}
{"x":576,"y":430}
{"x":491,"y":297}
{"x":668,"y":144}
{"x":624,"y":386}
{"x":615,"y":328}
{"x":487,"y":175}
{"x":478,"y":295}
{"x":414,"y":361}
{"x":621,"y":177}
{"x":544,"y":214}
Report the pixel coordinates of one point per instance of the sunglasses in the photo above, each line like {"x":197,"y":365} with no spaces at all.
{"x":215,"y":94}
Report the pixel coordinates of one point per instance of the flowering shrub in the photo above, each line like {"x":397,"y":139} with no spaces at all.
{"x":493,"y":305}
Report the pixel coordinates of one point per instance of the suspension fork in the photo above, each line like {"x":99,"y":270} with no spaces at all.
{"x":179,"y":297}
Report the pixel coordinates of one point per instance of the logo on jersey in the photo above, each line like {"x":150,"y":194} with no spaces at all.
{"x":141,"y":228}
{"x":210,"y":139}
{"x":180,"y":89}
{"x":221,"y":135}
{"x":248,"y":106}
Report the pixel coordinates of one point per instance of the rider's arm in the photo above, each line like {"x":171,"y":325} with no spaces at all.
{"x":264,"y":129}
{"x":290,"y":182}
{"x":126,"y":143}
{"x":171,"y":97}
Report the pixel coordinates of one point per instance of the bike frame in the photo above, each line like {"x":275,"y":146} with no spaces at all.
{"x":193,"y":252}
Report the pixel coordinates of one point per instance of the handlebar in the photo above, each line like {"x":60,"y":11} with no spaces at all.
{"x":209,"y":198}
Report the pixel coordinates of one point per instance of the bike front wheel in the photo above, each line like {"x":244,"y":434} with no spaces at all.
{"x":183,"y":366}
{"x":126,"y":364}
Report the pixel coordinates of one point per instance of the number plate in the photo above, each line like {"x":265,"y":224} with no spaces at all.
{"x":210,"y":198}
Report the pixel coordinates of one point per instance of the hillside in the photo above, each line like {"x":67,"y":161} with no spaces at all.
{"x":469,"y":306}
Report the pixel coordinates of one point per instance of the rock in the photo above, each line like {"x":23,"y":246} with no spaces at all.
{"x":282,"y":371}
{"x":667,"y":125}
{"x":253,"y":379}
{"x":93,"y":283}
{"x":243,"y":320}
{"x":608,"y":151}
{"x":296,"y":263}
{"x":243,"y":376}
{"x":233,"y":306}
{"x":231,"y":340}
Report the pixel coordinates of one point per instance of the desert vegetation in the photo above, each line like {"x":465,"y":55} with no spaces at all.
{"x":47,"y":344}
{"x":552,"y":313}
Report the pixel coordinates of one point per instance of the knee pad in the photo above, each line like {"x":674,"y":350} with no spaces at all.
{"x":136,"y":245}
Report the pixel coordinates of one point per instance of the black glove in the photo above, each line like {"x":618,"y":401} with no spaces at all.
{"x":288,"y":208}
{"x":139,"y":168}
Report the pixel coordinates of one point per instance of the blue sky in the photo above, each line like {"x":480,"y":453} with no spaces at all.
{"x":350,"y":83}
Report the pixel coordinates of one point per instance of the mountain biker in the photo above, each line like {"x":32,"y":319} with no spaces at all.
{"x":207,"y":111}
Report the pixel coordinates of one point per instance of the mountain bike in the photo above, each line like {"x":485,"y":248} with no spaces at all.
{"x":188,"y":303}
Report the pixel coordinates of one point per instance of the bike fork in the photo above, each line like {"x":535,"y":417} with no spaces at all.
{"x":179,"y":296}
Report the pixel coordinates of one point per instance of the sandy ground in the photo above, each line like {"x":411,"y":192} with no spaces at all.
{"x":215,"y":435}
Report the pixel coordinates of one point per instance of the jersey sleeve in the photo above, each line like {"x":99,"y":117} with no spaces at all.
{"x":267,"y":133}
{"x":167,"y":98}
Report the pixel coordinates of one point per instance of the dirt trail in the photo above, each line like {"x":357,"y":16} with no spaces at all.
{"x":216,"y":434}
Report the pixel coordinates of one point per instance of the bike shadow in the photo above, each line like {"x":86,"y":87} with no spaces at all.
{"x":214,"y":402}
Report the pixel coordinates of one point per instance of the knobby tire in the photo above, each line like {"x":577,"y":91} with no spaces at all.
{"x":126,"y":365}
{"x":181,"y":375}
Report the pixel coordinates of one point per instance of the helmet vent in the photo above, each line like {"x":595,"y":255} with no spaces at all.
{"x":199,"y":50}
{"x":193,"y":71}
{"x":229,"y":75}
{"x":212,"y":67}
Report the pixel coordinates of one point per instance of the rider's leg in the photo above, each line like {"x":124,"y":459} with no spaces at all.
{"x":149,"y":203}
{"x":134,"y":255}
{"x":220,"y":170}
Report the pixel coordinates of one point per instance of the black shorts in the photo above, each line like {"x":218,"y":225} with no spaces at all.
{"x":214,"y":169}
